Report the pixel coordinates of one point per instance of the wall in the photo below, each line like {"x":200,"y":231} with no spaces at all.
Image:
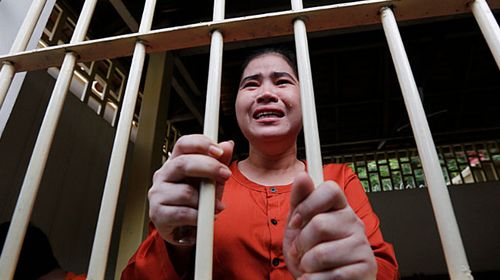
{"x":71,"y":189}
{"x":408,"y":223}
{"x":12,"y":15}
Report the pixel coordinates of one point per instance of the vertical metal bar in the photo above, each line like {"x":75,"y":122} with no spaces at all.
{"x":310,"y":123}
{"x":20,"y":43}
{"x":102,"y":238}
{"x":146,"y":154}
{"x":488,"y":26}
{"x":205,"y":225}
{"x":6,"y":76}
{"x":31,"y":183}
{"x":440,"y":199}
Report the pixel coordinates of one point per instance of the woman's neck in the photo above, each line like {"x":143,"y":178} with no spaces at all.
{"x":274,"y":169}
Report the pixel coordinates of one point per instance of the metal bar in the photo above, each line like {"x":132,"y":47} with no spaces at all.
{"x":440,"y":199}
{"x":20,"y":43}
{"x":310,"y":123}
{"x":6,"y":76}
{"x":102,"y":238}
{"x":346,"y":15}
{"x":146,"y":155}
{"x":205,"y":224}
{"x":31,"y":183}
{"x":488,"y":26}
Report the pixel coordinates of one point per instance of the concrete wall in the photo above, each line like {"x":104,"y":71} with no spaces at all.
{"x":71,"y":189}
{"x":408,"y":223}
{"x":12,"y":15}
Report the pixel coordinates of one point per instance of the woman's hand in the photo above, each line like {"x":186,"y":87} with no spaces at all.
{"x":324,"y":239}
{"x":173,"y":198}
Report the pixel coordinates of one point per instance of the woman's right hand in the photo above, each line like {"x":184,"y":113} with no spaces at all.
{"x":173,"y":198}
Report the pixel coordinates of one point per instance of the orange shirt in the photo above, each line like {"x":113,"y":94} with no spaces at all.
{"x":249,"y":232}
{"x":72,"y":276}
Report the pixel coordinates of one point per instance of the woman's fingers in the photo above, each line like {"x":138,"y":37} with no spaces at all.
{"x":179,"y":194}
{"x":327,"y":238}
{"x":327,"y":197}
{"x":192,"y":166}
{"x":196,"y":144}
{"x":174,"y":196}
{"x":227,"y":148}
{"x":324,"y":227}
{"x":336,"y":253}
{"x":357,"y":271}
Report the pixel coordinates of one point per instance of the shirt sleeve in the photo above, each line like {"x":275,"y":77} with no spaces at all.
{"x":73,"y":276}
{"x":358,"y":200}
{"x":151,"y":261}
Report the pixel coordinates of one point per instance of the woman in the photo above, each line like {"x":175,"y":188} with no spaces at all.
{"x":271,"y":222}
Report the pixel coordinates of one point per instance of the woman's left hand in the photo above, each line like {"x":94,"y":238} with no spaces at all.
{"x":324,"y":238}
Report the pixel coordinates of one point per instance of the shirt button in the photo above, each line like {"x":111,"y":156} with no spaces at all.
{"x":273,"y":189}
{"x":274,"y":221}
{"x":276,"y":261}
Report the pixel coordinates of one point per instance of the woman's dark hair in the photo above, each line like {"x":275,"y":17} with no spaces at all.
{"x":36,"y":258}
{"x":287,"y":54}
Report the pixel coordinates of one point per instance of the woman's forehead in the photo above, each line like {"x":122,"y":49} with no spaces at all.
{"x":269,"y":62}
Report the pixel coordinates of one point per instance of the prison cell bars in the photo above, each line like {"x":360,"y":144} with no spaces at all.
{"x":20,"y":43}
{"x":489,"y":27}
{"x":205,"y":224}
{"x":310,"y":123}
{"x":102,"y":238}
{"x":31,"y":183}
{"x":33,"y":175}
{"x":440,"y":198}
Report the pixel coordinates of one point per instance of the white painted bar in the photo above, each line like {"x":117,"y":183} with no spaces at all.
{"x":102,"y":237}
{"x":206,"y":207}
{"x":454,"y":252}
{"x":6,"y":76}
{"x":309,"y":120}
{"x":488,"y":26}
{"x":31,"y":183}
{"x":351,"y":15}
{"x":20,"y":44}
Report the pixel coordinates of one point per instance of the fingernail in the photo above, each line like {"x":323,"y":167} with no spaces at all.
{"x":215,"y":151}
{"x":225,"y":173}
{"x":295,"y":221}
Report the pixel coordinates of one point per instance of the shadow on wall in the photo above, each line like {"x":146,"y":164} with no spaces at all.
{"x":69,"y":197}
{"x":407,"y":221}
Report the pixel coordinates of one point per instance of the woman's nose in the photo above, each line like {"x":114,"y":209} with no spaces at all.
{"x":267,"y":96}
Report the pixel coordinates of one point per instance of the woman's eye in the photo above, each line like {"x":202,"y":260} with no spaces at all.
{"x":283,"y":82}
{"x":250,"y":84}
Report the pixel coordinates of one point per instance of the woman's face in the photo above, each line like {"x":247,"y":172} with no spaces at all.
{"x":268,"y":100}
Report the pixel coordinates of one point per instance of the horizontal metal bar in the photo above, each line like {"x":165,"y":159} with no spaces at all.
{"x":330,"y":17}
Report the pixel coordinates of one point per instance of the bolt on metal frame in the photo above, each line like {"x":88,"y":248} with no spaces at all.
{"x":234,"y":29}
